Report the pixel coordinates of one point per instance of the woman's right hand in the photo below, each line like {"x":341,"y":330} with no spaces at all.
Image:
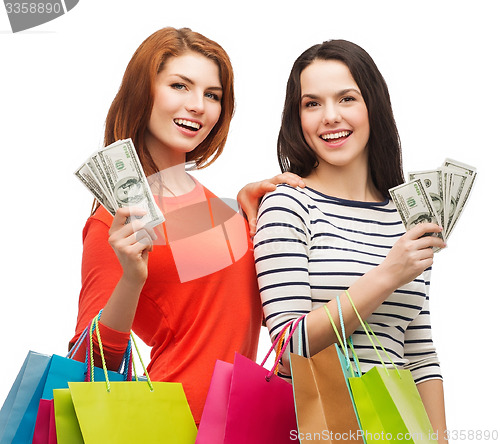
{"x":412,"y":254}
{"x":132,"y":243}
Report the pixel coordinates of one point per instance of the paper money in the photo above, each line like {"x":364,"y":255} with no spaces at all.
{"x":460,"y":179}
{"x":433,"y":183}
{"x":115,"y":177}
{"x":448,"y":189}
{"x":414,"y":204}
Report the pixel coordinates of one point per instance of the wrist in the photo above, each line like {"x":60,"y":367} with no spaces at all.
{"x":132,"y":283}
{"x":383,"y":279}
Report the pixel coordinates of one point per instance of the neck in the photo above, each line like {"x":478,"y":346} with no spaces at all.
{"x":349,"y":182}
{"x":172,"y":181}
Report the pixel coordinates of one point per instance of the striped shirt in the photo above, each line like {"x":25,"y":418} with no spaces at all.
{"x":310,"y":247}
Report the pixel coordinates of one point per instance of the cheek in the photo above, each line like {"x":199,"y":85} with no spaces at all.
{"x":359,"y":118}
{"x":308,"y":126}
{"x":214,"y":116}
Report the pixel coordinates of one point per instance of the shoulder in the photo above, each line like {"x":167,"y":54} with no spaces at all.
{"x":98,"y":224}
{"x":102,"y":215}
{"x":288,"y":196}
{"x":284,"y":205}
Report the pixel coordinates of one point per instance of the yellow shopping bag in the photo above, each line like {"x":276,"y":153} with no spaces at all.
{"x":132,"y":411}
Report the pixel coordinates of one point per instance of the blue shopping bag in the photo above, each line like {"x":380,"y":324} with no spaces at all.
{"x":63,"y":370}
{"x":18,"y":413}
{"x":39,"y":375}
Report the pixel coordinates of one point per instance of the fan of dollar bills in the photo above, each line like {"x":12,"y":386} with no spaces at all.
{"x":437,"y":196}
{"x":115,"y":177}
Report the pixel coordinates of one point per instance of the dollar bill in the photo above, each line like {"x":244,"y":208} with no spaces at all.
{"x":449,"y":188}
{"x":87,"y":177}
{"x":433,"y":182}
{"x":414,"y":205}
{"x":115,"y":176}
{"x":461,"y":180}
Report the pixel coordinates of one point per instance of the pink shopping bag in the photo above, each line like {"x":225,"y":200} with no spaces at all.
{"x":45,"y":426}
{"x":248,"y":404}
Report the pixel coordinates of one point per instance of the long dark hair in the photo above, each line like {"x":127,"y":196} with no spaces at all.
{"x":384,"y":145}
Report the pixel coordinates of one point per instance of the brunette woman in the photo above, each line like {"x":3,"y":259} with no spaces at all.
{"x":342,"y":232}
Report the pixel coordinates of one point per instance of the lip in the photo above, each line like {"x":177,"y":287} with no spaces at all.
{"x":335,"y":143}
{"x":185,"y":131}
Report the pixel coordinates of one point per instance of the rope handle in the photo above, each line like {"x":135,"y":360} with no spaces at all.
{"x":76,"y":346}
{"x":346,"y":342}
{"x":285,"y":344}
{"x":127,"y":362}
{"x":95,"y":325}
{"x":276,"y":340}
{"x":368,"y":330}
{"x":280,"y":347}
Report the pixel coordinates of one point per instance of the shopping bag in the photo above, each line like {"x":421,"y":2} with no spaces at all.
{"x":38,"y":376}
{"x":323,"y":401}
{"x":213,"y":419}
{"x":388,"y":402}
{"x":19,"y":411}
{"x":131,"y":411}
{"x":389,"y":406}
{"x":248,"y":404}
{"x":45,"y":430}
{"x":64,"y":369}
{"x":52,"y":426}
{"x":66,"y":423}
{"x":42,"y":425}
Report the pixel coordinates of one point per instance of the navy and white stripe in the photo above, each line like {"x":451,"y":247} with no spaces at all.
{"x":310,"y":247}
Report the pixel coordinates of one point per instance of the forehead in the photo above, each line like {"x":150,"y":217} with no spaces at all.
{"x":193,"y":65}
{"x":325,"y":75}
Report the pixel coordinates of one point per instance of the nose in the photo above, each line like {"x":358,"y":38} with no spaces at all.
{"x":195,"y":102}
{"x":331,"y":114}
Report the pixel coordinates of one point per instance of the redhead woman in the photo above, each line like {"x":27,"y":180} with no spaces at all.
{"x":187,"y":288}
{"x":341,"y":234}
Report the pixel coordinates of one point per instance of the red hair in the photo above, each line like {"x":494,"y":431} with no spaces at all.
{"x":129,"y":114}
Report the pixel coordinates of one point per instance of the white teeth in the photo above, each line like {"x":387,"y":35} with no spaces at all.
{"x":187,"y":123}
{"x":335,"y":135}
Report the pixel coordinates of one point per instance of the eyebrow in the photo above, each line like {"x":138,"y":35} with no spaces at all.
{"x":337,"y":93}
{"x":188,"y":80}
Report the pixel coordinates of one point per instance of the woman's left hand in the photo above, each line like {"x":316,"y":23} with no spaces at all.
{"x":250,"y":195}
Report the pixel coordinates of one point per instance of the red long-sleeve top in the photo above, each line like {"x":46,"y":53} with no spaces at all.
{"x":200,"y":301}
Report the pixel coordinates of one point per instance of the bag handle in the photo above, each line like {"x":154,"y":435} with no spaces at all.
{"x":285,"y":344}
{"x":345,"y":342}
{"x":76,"y":346}
{"x":95,"y":324}
{"x":126,"y":364}
{"x":368,"y":330}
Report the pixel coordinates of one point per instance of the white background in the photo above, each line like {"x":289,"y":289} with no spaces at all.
{"x":440,"y":60}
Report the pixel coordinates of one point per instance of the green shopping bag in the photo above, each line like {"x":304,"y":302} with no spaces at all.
{"x":132,"y":411}
{"x":67,"y":427}
{"x":388,"y":403}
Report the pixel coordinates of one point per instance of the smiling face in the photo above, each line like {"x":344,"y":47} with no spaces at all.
{"x":187,"y":105}
{"x":333,"y":115}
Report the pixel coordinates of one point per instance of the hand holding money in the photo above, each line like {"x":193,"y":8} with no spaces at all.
{"x":437,"y":196}
{"x":115,"y":177}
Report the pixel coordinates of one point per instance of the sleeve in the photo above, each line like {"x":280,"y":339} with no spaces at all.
{"x":419,"y":347}
{"x":101,"y":271}
{"x":281,"y":249}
